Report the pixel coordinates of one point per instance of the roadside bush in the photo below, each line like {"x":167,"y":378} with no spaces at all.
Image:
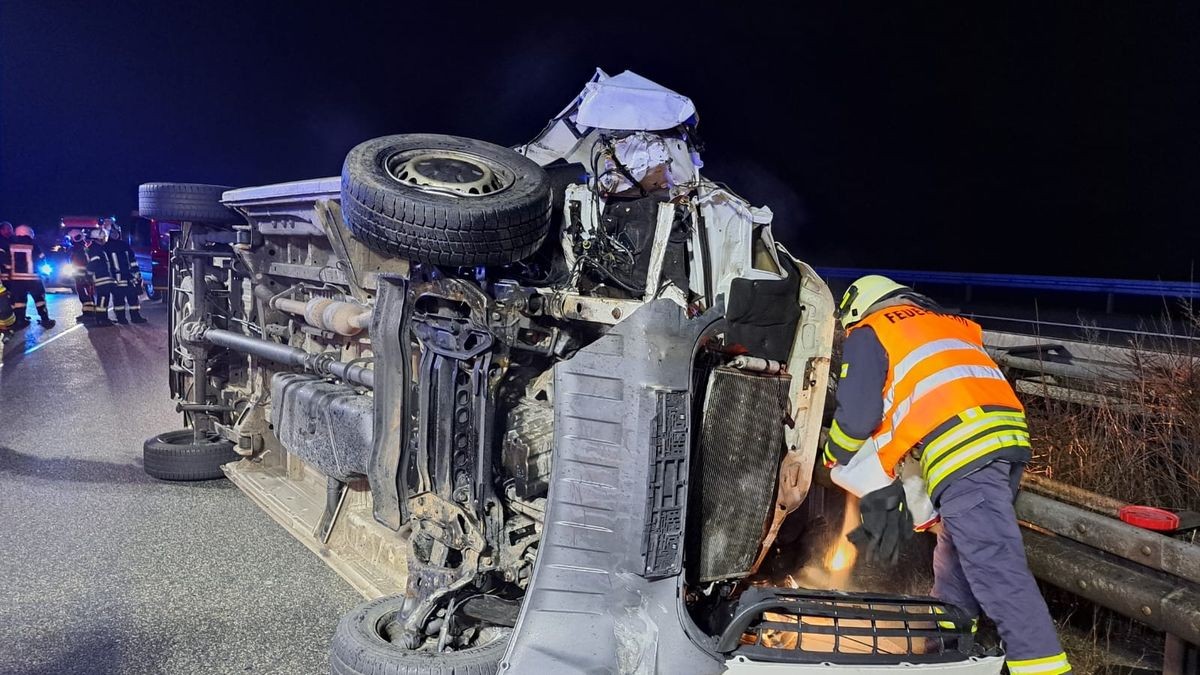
{"x":1139,"y":441}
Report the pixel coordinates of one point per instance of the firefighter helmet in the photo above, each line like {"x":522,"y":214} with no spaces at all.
{"x":23,"y":231}
{"x":865,"y":292}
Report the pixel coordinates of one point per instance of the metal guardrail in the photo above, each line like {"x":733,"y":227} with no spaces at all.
{"x":1141,"y":287}
{"x":1073,"y":542}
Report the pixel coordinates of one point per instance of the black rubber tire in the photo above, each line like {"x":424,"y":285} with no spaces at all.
{"x":192,"y":202}
{"x":174,"y":455}
{"x":395,"y":218}
{"x":359,"y":649}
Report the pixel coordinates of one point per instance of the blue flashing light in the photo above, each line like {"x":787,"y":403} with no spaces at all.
{"x":46,"y":269}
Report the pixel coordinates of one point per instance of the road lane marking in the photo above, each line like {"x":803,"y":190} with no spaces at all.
{"x":43,"y":344}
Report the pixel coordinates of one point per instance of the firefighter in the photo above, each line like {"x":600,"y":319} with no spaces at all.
{"x":916,"y":381}
{"x":100,"y":271}
{"x":126,"y":275}
{"x":7,"y":318}
{"x":22,"y":260}
{"x":84,"y":284}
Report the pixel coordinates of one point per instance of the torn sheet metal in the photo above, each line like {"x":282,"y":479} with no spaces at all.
{"x":631,"y":102}
{"x":625,"y":102}
{"x":564,"y":138}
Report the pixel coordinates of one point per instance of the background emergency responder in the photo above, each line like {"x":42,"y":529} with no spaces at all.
{"x":100,"y":271}
{"x":24,"y":256}
{"x":127,"y":276}
{"x":6,"y":235}
{"x":7,"y":319}
{"x":916,"y":381}
{"x":84,"y":285}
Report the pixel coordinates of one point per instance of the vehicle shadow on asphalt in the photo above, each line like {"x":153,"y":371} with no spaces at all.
{"x":95,"y":656}
{"x":17,"y":463}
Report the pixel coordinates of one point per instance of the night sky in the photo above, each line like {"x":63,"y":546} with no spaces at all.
{"x":1047,"y":137}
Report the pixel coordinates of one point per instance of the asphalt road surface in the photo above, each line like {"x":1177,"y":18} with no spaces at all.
{"x":106,"y":570}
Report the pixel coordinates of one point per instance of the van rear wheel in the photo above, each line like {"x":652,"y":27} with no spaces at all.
{"x":190,"y":202}
{"x":177,"y":455}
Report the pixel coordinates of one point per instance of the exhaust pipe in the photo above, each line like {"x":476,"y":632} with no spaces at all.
{"x":321,"y":364}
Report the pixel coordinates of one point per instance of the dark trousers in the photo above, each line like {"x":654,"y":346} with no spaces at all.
{"x":125,"y":297}
{"x":86,"y":291}
{"x":19,"y":289}
{"x":980,"y":562}
{"x":103,"y":297}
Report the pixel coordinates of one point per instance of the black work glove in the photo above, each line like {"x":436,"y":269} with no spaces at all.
{"x":886,"y":524}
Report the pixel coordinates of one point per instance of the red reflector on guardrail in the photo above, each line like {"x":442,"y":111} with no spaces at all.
{"x":1149,"y":518}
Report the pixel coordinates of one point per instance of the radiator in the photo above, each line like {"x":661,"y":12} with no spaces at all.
{"x":741,"y":444}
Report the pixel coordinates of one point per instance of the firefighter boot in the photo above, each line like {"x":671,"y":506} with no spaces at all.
{"x":135,"y":316}
{"x":120,"y":316}
{"x":45,"y":321}
{"x":101,"y":318}
{"x":22,"y":323}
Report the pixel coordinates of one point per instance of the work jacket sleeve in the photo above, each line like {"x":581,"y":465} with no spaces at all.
{"x":859,"y":395}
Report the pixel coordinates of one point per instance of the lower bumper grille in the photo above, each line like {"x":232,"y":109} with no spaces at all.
{"x":802,"y":626}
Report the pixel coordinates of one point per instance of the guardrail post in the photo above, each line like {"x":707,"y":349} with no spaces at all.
{"x":1108,"y":303}
{"x":1179,"y":657}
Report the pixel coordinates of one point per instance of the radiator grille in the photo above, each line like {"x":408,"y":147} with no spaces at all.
{"x":741,"y":443}
{"x":804,"y":626}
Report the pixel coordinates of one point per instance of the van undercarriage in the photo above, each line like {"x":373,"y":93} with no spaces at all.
{"x":547,"y":408}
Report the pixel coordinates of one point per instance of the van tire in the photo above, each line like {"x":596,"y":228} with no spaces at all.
{"x":359,"y":649}
{"x":423,"y":225}
{"x":176,"y":456}
{"x":191,"y":202}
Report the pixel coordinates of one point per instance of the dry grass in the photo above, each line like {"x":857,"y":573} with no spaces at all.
{"x":1138,"y":443}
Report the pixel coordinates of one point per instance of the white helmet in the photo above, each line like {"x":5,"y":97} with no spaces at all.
{"x":75,"y":235}
{"x":23,"y":231}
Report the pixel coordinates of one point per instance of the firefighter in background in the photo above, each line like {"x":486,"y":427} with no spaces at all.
{"x":126,"y":275}
{"x":916,"y":381}
{"x":24,"y":255}
{"x":7,"y":318}
{"x":99,"y":269}
{"x":6,"y":235}
{"x":84,"y":284}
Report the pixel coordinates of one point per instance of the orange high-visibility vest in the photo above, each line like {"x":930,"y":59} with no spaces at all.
{"x":937,"y":370}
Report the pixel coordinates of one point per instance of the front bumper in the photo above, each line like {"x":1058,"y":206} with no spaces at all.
{"x":976,"y":665}
{"x":783,"y":630}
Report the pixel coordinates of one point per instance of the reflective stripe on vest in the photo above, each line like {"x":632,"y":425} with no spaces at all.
{"x":937,"y":369}
{"x":21,"y":258}
{"x":918,"y":355}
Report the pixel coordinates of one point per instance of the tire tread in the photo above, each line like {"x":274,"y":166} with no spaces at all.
{"x":396,"y":220}
{"x":167,"y":457}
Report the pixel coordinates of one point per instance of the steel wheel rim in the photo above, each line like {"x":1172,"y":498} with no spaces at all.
{"x":448,"y":172}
